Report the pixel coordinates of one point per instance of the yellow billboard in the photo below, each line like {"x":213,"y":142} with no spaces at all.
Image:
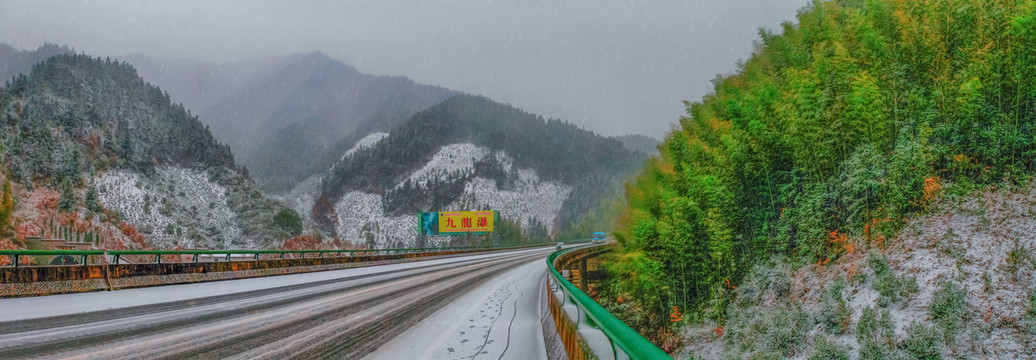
{"x":466,"y":221}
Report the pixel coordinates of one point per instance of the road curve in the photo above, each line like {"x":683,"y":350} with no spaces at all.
{"x":338,"y":314}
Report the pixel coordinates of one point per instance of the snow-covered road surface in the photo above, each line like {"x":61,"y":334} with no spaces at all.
{"x":497,"y":320}
{"x":341,"y":314}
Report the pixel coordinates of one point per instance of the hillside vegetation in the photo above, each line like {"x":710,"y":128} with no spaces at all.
{"x":128,"y":162}
{"x":834,"y":134}
{"x":594,"y":166}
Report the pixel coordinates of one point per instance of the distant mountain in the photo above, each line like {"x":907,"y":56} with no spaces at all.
{"x":642,"y":143}
{"x":14,"y":62}
{"x":288,"y":118}
{"x":469,"y":153}
{"x":127,"y":163}
{"x":198,"y":84}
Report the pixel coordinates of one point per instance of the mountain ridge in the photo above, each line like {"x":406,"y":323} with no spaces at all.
{"x":287,"y":117}
{"x":128,"y":164}
{"x":594,"y":166}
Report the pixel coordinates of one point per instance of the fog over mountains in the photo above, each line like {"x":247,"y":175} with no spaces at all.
{"x":281,"y":116}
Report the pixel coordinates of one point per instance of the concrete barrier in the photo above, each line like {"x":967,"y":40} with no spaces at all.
{"x":49,"y":280}
{"x":45,"y":280}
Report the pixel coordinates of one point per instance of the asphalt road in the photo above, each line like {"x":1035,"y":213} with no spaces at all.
{"x":334,"y":314}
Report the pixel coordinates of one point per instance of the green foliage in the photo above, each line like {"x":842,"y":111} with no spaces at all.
{"x":768,"y":331}
{"x":833,"y":125}
{"x":68,"y":200}
{"x":6,"y":208}
{"x":289,"y":220}
{"x":922,"y":342}
{"x":836,"y":123}
{"x":1029,"y":318}
{"x":92,"y":202}
{"x":875,"y":334}
{"x":834,"y":312}
{"x":949,"y":308}
{"x":1018,"y":257}
{"x":825,"y":349}
{"x":509,"y":233}
{"x":886,"y":283}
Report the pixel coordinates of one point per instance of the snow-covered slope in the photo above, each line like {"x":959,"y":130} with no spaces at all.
{"x":175,"y":207}
{"x":451,"y":158}
{"x":364,"y":143}
{"x":361,"y":219}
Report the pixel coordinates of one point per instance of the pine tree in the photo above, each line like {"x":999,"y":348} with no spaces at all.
{"x":6,"y":208}
{"x":68,"y":201}
{"x":92,"y":203}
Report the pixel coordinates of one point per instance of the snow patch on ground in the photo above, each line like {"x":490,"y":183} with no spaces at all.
{"x":450,"y":158}
{"x":361,"y":221}
{"x":366,"y":142}
{"x":175,"y":207}
{"x":532,"y":199}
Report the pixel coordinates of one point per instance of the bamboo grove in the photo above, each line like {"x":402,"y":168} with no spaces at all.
{"x":834,"y":132}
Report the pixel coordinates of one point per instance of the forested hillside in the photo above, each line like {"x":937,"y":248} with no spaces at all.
{"x":836,"y":131}
{"x":126,"y":160}
{"x":592,"y":165}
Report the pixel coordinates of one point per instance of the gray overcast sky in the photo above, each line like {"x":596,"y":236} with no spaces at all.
{"x":615,"y":67}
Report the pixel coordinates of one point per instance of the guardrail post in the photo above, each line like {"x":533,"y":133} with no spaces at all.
{"x":195,"y":258}
{"x":116,"y":259}
{"x":158,"y":258}
{"x":15,"y":261}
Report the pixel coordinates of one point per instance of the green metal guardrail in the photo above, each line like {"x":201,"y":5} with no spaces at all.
{"x":116,"y":254}
{"x":620,"y":334}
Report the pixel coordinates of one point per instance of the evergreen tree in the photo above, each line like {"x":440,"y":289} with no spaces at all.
{"x":92,"y":203}
{"x":289,"y":220}
{"x":6,"y":208}
{"x":68,"y":200}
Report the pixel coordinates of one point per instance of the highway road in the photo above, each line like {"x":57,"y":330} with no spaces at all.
{"x":333,"y":314}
